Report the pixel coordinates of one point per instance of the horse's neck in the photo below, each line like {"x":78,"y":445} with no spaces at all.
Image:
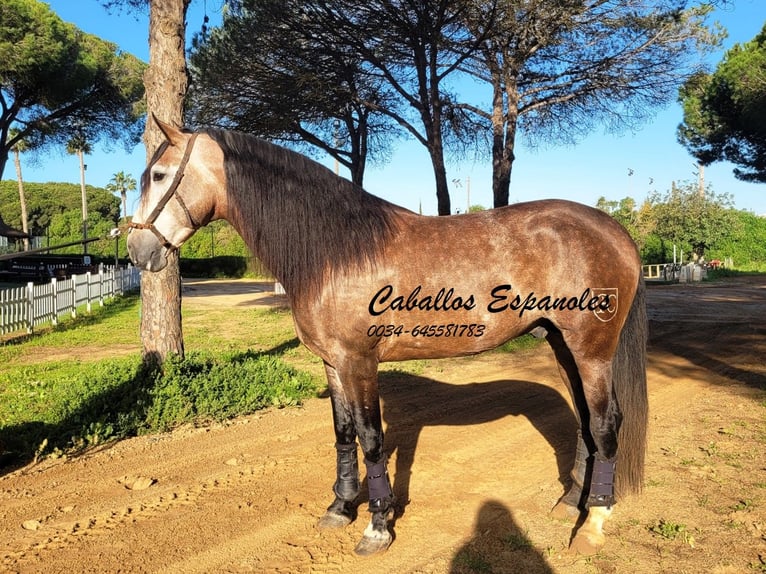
{"x":300,"y":237}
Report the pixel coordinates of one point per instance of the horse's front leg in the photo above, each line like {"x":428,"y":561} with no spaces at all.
{"x":342,"y":511}
{"x":356,"y":410}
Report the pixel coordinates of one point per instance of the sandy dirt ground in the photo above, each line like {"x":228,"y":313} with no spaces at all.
{"x":479,"y":448}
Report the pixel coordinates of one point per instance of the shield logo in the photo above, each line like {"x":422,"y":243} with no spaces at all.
{"x":609,"y":299}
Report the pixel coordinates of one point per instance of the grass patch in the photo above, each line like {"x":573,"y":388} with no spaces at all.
{"x":522,"y":343}
{"x":469,"y":561}
{"x":66,"y":407}
{"x":111,"y":324}
{"x":517,"y":541}
{"x":64,"y":389}
{"x":203,"y":387}
{"x":236,"y":329}
{"x":672,"y":531}
{"x":724,"y":273}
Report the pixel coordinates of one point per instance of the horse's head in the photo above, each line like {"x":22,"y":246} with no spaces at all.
{"x":180,"y":192}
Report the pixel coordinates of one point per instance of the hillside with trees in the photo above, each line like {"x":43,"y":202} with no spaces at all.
{"x":55,"y":213}
{"x":701,"y":223}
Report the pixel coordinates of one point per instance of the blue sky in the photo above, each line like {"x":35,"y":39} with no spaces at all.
{"x":597,"y":166}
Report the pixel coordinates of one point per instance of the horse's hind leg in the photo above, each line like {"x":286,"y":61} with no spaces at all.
{"x":604,"y":425}
{"x":571,"y":505}
{"x":590,"y":383}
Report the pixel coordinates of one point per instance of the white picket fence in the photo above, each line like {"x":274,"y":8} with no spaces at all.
{"x":25,"y":307}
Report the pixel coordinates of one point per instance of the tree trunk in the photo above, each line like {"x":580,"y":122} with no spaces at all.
{"x":502,"y":163}
{"x":443,"y":202}
{"x":504,"y":121}
{"x":432,"y":120}
{"x":3,"y":159}
{"x":22,"y":199}
{"x":165,"y":82}
{"x":358,"y":141}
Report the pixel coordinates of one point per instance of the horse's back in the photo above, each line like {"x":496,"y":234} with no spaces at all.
{"x":558,"y":221}
{"x":538,"y":236}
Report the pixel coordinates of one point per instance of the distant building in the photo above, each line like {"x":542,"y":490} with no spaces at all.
{"x":9,"y":236}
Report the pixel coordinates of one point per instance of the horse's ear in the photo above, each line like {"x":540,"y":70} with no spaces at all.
{"x":172,"y":133}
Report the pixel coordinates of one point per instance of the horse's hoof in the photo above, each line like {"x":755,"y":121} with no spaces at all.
{"x":587,"y":544}
{"x":373,"y":541}
{"x":565,"y":512}
{"x":332,"y":520}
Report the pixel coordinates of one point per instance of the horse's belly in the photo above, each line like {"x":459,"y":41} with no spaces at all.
{"x":437,"y":339}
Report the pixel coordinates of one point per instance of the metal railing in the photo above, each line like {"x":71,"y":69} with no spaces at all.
{"x":675,"y":272}
{"x":27,"y":306}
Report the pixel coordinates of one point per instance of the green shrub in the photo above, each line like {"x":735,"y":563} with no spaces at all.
{"x":223,"y":266}
{"x":203,"y":388}
{"x":65,"y":407}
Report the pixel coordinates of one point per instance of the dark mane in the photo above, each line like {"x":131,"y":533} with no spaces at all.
{"x":298,"y":217}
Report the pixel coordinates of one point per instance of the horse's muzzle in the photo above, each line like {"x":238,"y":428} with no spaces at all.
{"x":145,"y":251}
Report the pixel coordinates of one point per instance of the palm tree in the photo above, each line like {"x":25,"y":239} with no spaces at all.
{"x":19,"y":147}
{"x":122,"y":183}
{"x":79,"y":146}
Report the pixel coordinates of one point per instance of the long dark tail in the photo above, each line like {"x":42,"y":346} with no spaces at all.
{"x":629,"y":384}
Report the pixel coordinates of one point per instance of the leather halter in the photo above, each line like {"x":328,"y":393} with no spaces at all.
{"x":169,"y":194}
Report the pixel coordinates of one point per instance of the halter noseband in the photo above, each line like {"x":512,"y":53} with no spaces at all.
{"x":169,"y":194}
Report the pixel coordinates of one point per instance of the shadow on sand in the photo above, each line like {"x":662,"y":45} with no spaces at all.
{"x":414,"y":402}
{"x":498,"y":545}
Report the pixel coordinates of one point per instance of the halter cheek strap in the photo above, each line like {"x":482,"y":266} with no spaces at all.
{"x":169,"y":194}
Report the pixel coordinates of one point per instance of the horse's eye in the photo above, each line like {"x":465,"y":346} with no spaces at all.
{"x":158,"y":176}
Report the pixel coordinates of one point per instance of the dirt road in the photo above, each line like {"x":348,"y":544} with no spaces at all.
{"x":479,"y":450}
